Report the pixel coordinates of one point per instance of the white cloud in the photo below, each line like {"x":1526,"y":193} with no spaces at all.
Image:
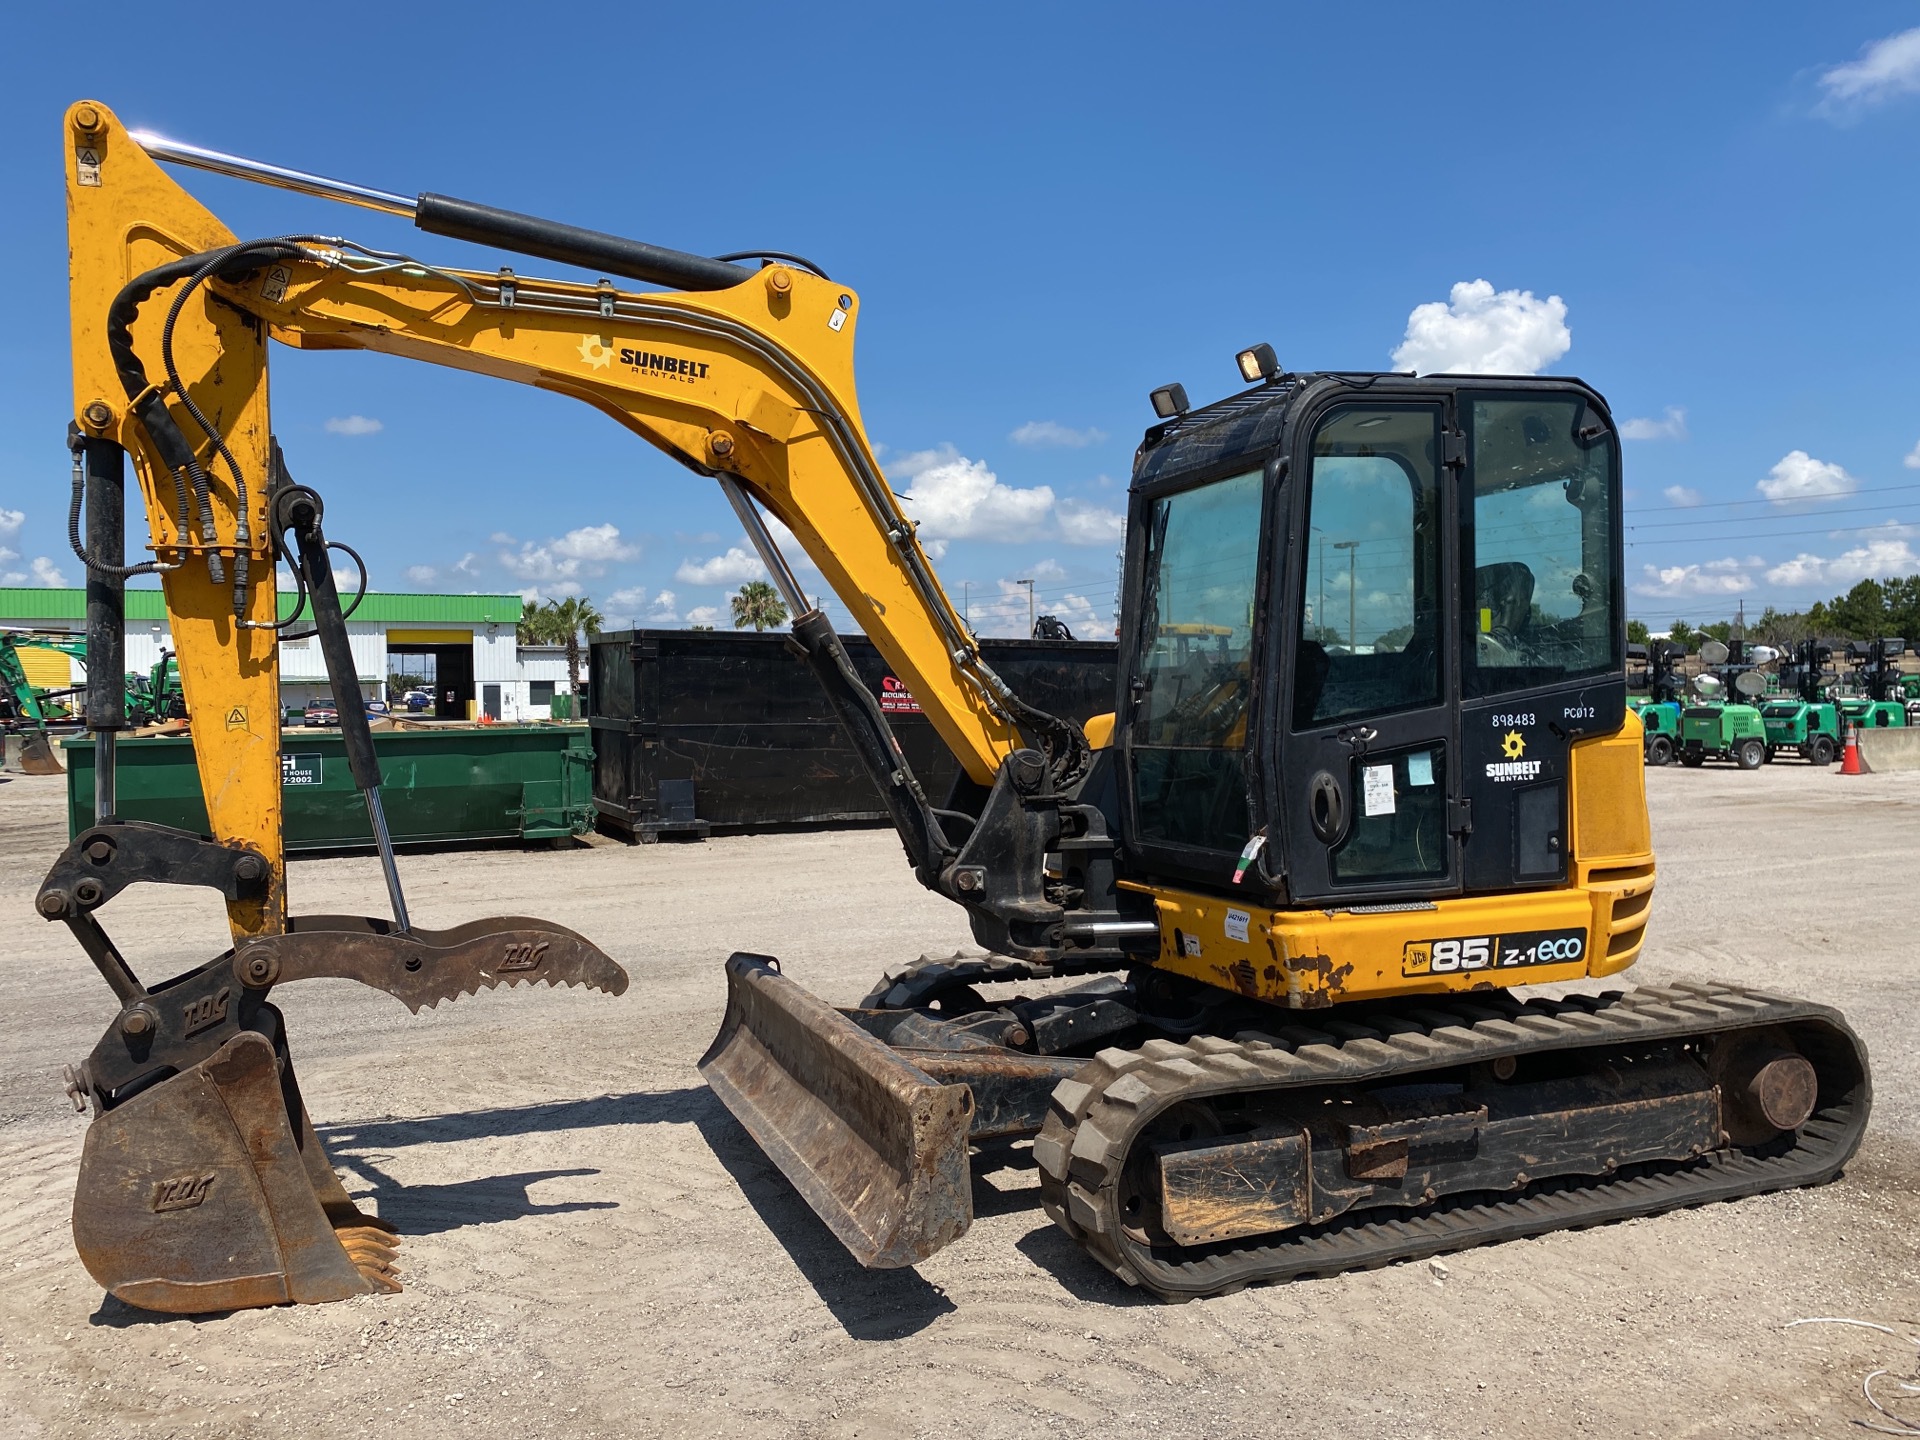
{"x":422,"y":574}
{"x":1884,"y":553}
{"x":1682,"y":495}
{"x":703,"y":615}
{"x":1714,"y":577}
{"x":539,"y":594}
{"x":631,"y":605}
{"x":1048,"y":569}
{"x":586,"y":551}
{"x":1886,"y":69}
{"x":354,"y":425}
{"x":1671,"y":426}
{"x":1051,"y":432}
{"x":12,"y":520}
{"x":1085,"y":524}
{"x":1799,"y":476}
{"x":1479,"y":332}
{"x":465,"y":565}
{"x":737,"y":566}
{"x":954,"y":498}
{"x":46,"y":573}
{"x":1912,"y":462}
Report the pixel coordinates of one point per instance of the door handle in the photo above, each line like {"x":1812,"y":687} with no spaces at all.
{"x":1327,"y":807}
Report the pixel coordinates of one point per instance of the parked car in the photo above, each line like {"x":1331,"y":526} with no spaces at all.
{"x":378,"y":707}
{"x":320,"y":712}
{"x":418,"y":700}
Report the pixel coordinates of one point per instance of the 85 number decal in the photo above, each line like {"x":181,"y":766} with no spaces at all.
{"x":1467,"y":954}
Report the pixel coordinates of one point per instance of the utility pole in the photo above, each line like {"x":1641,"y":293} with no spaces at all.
{"x":966,"y":603}
{"x":1029,"y":585}
{"x":1353,"y":568}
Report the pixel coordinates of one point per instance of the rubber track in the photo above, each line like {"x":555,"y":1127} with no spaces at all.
{"x":1082,"y":1148}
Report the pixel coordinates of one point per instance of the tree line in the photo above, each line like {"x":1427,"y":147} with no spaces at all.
{"x":755,"y":605}
{"x":1869,"y":610}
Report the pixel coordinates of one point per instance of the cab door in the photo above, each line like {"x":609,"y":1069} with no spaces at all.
{"x":1369,"y":757}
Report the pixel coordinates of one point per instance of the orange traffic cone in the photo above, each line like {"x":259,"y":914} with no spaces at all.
{"x":1850,"y":756}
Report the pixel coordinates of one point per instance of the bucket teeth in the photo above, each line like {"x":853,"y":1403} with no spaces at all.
{"x":421,"y":968}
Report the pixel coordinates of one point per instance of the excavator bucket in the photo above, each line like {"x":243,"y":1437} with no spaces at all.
{"x":256,"y":1217}
{"x":36,"y":754}
{"x":874,"y":1145}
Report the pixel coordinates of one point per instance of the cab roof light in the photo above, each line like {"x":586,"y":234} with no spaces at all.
{"x":1257,"y":363}
{"x":1169,"y":400}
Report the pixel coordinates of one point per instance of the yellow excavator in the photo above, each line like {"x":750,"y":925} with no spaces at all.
{"x":1248,"y":945}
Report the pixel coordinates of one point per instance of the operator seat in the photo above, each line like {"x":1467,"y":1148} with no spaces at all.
{"x":1503,"y":598}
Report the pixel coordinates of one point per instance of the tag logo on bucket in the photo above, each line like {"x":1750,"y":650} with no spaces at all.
{"x":525,"y":955}
{"x":183,"y":1192}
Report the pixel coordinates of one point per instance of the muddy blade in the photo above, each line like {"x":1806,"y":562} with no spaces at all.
{"x":876,"y":1147}
{"x":207,"y":1192}
{"x":36,"y":755}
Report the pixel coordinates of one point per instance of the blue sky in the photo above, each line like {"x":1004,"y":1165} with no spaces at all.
{"x":1707,"y":211}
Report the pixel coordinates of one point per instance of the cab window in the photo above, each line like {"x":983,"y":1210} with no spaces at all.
{"x":1193,"y":666}
{"x":1370,"y":617}
{"x":1540,"y":531}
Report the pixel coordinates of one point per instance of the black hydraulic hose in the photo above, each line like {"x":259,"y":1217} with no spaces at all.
{"x":572,"y":245}
{"x":148,"y":402}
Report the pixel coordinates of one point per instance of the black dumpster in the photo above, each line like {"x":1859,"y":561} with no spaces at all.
{"x":695,"y":729}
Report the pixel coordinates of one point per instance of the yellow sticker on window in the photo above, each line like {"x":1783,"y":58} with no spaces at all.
{"x":1486,"y":619}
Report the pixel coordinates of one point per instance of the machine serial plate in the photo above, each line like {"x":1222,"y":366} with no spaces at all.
{"x":1461,"y":953}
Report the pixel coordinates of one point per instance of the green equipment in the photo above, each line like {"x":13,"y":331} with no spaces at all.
{"x":1808,"y":724}
{"x":1660,"y":711}
{"x":1882,"y":702}
{"x":1715,"y":729}
{"x":24,"y":712}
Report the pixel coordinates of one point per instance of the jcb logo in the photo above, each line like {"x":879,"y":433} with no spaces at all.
{"x":207,"y":1010}
{"x":525,"y":955}
{"x":183,"y":1192}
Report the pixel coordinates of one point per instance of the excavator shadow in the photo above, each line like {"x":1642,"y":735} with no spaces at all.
{"x":868,"y":1304}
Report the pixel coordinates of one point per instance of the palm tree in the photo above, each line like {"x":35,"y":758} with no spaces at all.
{"x":758,"y":604}
{"x":564,"y":621}
{"x":531,"y":629}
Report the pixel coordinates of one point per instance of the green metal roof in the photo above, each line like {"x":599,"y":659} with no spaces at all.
{"x":35,"y":603}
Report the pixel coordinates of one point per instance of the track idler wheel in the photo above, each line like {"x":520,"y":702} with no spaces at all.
{"x":210,"y":1191}
{"x":1767,"y":1088}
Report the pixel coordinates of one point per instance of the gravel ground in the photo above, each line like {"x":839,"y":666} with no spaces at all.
{"x":594,"y":1248}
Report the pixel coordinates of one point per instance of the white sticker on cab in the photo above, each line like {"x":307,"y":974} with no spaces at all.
{"x":1377,"y":789}
{"x":1236,"y":925}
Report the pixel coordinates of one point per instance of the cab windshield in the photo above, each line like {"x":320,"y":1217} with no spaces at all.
{"x":1540,"y":530}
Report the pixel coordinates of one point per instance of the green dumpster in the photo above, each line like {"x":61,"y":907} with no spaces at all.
{"x":438,"y":786}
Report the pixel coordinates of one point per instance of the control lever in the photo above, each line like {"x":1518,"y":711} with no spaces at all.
{"x":298,"y":509}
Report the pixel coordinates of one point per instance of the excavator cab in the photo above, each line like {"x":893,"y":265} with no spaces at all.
{"x":1417,"y":582}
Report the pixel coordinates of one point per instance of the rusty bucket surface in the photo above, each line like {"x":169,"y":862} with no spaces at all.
{"x":874,"y":1145}
{"x":36,"y":754}
{"x":210,"y":1192}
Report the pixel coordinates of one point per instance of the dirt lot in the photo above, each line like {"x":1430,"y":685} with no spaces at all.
{"x":594,"y":1248}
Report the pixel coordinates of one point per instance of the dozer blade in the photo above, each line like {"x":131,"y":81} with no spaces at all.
{"x":36,"y":755}
{"x":210,"y":1191}
{"x":875,"y":1146}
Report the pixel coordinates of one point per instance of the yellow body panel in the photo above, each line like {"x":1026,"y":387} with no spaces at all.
{"x":1099,"y":730}
{"x":1307,"y":959}
{"x":125,"y":216}
{"x":45,"y":669}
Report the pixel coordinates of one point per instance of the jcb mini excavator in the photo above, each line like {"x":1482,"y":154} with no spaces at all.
{"x":1251,"y":941}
